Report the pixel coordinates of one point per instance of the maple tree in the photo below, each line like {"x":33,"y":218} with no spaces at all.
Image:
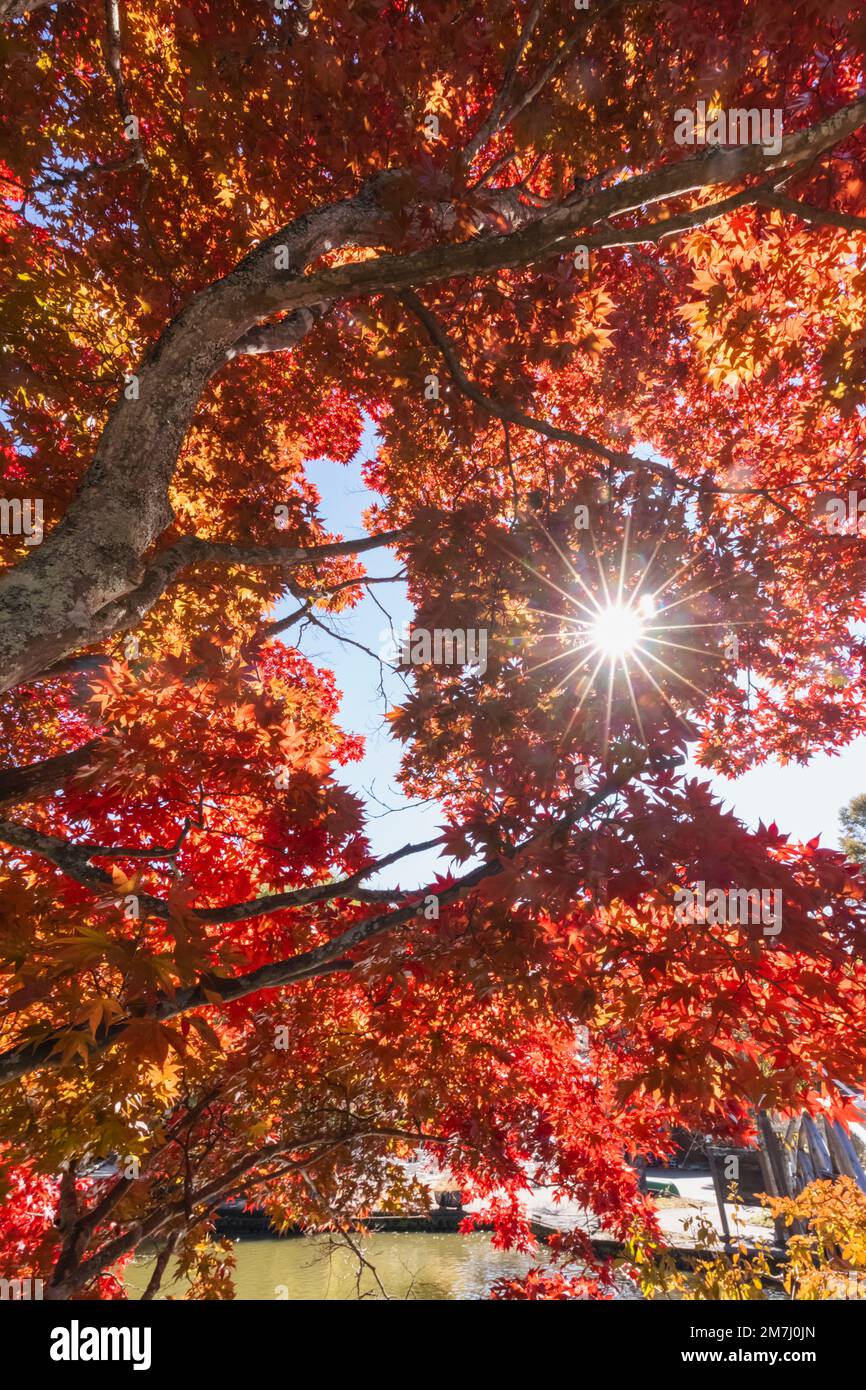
{"x":231,"y":232}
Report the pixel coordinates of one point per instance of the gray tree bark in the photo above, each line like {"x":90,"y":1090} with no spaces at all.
{"x":89,"y":578}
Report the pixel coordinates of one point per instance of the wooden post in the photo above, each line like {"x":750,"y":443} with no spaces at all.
{"x":821,"y":1160}
{"x":719,"y":1186}
{"x":791,"y":1153}
{"x":772,"y":1169}
{"x":844,"y":1153}
{"x":806,"y":1168}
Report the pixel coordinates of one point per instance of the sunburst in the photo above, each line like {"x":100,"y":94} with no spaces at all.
{"x":616,"y":630}
{"x":621,"y":629}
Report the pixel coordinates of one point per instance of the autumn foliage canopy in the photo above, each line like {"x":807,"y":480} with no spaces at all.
{"x":600,"y":363}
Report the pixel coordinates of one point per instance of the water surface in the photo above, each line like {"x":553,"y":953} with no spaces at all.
{"x":414,"y":1266}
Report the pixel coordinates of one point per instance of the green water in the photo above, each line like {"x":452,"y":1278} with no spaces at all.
{"x":431,"y":1267}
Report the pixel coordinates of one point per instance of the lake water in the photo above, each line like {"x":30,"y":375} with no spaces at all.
{"x":430,"y":1267}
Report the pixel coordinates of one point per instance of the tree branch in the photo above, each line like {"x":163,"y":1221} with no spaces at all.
{"x":510,"y":414}
{"x":554,"y":231}
{"x":491,"y":124}
{"x":497,"y":121}
{"x":16,"y":9}
{"x":821,"y":217}
{"x":91,"y":563}
{"x":129,"y":611}
{"x":321,"y":960}
{"x":242,"y":1173}
{"x":25,"y":783}
{"x":74,"y":860}
{"x":114,"y":62}
{"x":277,"y":337}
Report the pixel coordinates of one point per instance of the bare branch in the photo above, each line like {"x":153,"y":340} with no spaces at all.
{"x":70,"y":176}
{"x":114,"y":61}
{"x":552,"y":68}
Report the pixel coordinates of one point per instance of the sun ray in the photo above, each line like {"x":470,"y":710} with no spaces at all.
{"x":562,"y":617}
{"x":609,"y":710}
{"x":573,"y":672}
{"x":676,"y":674}
{"x":563,"y":593}
{"x":682,"y":647}
{"x":601,"y":573}
{"x":624,"y":560}
{"x":575,"y":574}
{"x":590,"y":682}
{"x":686,"y":598}
{"x":646,"y":570}
{"x":672,"y":578}
{"x":683,"y":627}
{"x":560,"y":656}
{"x":625,"y":672}
{"x":663,"y":693}
{"x":563,"y":555}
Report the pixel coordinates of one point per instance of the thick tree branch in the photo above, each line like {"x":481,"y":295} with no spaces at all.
{"x":647,"y":233}
{"x":74,"y":861}
{"x":36,"y":779}
{"x":277,"y":337}
{"x":556,"y":230}
{"x":160,"y":1267}
{"x":230,"y":553}
{"x":89,"y":577}
{"x":820,"y":217}
{"x":71,"y":589}
{"x":129,"y":611}
{"x":16,"y":9}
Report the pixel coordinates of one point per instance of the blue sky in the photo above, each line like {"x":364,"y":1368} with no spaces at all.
{"x":804,"y":801}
